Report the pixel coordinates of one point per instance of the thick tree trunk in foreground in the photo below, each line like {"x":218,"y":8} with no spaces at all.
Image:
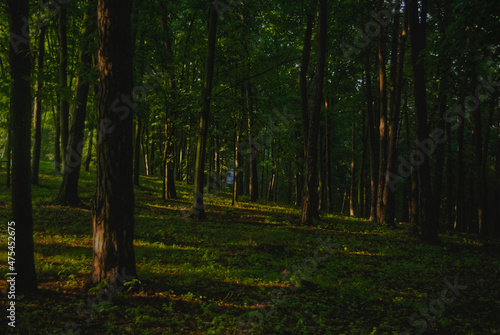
{"x":113,"y":212}
{"x":37,"y":111}
{"x":20,"y":113}
{"x":199,"y":175}
{"x":426,"y":218}
{"x":310,"y":206}
{"x":68,"y":192}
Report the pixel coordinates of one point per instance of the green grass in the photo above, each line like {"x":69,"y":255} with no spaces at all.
{"x":217,"y":276}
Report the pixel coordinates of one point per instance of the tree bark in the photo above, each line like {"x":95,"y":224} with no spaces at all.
{"x":37,"y":111}
{"x":310,"y":206}
{"x":199,"y":175}
{"x":68,"y":192}
{"x":113,"y":210}
{"x":20,"y":113}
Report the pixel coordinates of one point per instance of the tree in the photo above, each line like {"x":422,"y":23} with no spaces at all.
{"x":20,"y":111}
{"x":113,"y":210}
{"x":63,"y":80}
{"x":37,"y":110}
{"x":68,"y":192}
{"x":199,"y":172}
{"x":310,"y":206}
{"x":417,"y":26}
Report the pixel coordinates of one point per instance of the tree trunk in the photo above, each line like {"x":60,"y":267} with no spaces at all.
{"x":20,"y":113}
{"x":199,"y":175}
{"x":170,"y":113}
{"x":63,"y":81}
{"x":361,"y":179}
{"x":310,"y":206}
{"x":304,"y":66}
{"x":89,"y":150}
{"x":57,"y":139}
{"x":382,"y":99}
{"x":397,"y":61}
{"x":9,"y":150}
{"x":352,"y":196}
{"x":373,"y":127}
{"x":113,"y":211}
{"x":253,"y":190}
{"x":328,"y":175}
{"x":137,"y":149}
{"x":426,"y":217}
{"x":37,"y":111}
{"x":68,"y":192}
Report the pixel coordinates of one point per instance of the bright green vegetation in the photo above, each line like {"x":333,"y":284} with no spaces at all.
{"x":201,"y":277}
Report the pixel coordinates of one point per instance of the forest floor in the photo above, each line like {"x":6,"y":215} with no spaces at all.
{"x":250,"y":268}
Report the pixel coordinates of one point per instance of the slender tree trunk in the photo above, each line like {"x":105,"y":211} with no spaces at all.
{"x":37,"y":111}
{"x":9,"y":150}
{"x":199,"y":176}
{"x":63,"y":81}
{"x":373,"y":121}
{"x":352,"y":196}
{"x":170,"y":113}
{"x":310,"y":206}
{"x":304,"y":66}
{"x":398,"y":50}
{"x":361,"y":179}
{"x":57,"y":139}
{"x":383,"y":132}
{"x":137,"y":149}
{"x":427,"y":220}
{"x":89,"y":150}
{"x":68,"y":192}
{"x":145,"y":148}
{"x":20,"y":113}
{"x":253,"y":191}
{"x":328,"y":175}
{"x":236,"y":164}
{"x":113,"y":211}
{"x":152,"y":152}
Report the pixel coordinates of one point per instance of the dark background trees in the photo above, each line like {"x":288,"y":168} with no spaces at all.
{"x":392,"y":118}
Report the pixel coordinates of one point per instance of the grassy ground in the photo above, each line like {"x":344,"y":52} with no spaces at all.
{"x":251,"y":268}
